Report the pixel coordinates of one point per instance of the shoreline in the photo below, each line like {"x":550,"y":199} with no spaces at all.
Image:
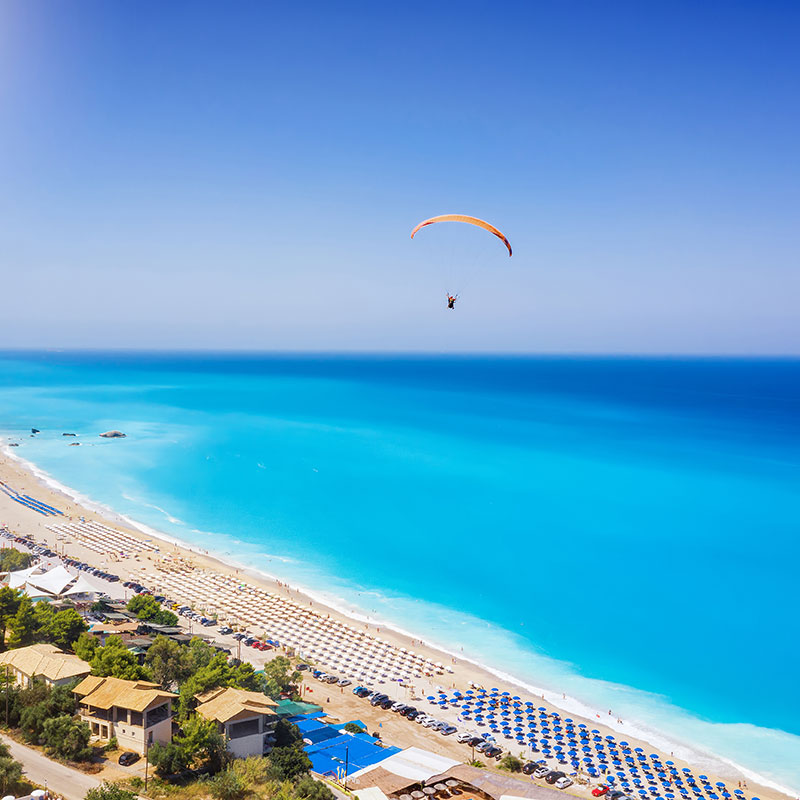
{"x":340,"y":610}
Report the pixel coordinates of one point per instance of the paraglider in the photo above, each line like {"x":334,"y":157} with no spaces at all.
{"x":451,"y":298}
{"x":470,"y":221}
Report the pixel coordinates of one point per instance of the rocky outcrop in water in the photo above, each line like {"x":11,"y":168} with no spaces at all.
{"x":113,"y":435}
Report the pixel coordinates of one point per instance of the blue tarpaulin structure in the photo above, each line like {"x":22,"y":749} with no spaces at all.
{"x":357,"y":751}
{"x":331,"y":748}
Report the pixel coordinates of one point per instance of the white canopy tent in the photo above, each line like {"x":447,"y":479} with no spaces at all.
{"x":17,"y":580}
{"x":83,"y":586}
{"x":53,"y":581}
{"x":35,"y":593}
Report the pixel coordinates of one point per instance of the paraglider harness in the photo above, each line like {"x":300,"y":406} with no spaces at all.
{"x":451,"y":300}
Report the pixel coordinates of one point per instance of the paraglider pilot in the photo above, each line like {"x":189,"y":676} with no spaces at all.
{"x":451,"y":300}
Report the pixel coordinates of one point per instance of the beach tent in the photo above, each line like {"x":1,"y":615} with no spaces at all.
{"x":83,"y":586}
{"x":53,"y":581}
{"x":413,"y":763}
{"x":17,"y":579}
{"x":36,"y":593}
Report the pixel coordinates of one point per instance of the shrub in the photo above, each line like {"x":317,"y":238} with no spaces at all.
{"x":227,"y":785}
{"x":287,"y":763}
{"x":310,"y":789}
{"x":351,"y":727}
{"x":510,"y":763}
{"x":109,"y":791}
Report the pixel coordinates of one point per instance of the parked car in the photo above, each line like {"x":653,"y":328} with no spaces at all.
{"x":387,"y":703}
{"x":128,"y":758}
{"x":463,"y":737}
{"x":540,"y":772}
{"x":599,"y":791}
{"x":225,"y":630}
{"x":420,"y":718}
{"x":398,"y":707}
{"x":344,"y":681}
{"x":239,"y":636}
{"x":429,"y":722}
{"x":528,"y":769}
{"x":448,"y":730}
{"x":303,"y":667}
{"x":493,"y":751}
{"x":562,"y":783}
{"x":412,"y":715}
{"x":554,"y":775}
{"x":378,"y":699}
{"x":405,"y":712}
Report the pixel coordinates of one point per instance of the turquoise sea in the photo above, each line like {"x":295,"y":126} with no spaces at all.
{"x":625,"y":531}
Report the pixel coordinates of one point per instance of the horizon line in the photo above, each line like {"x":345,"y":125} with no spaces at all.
{"x":437,"y":354}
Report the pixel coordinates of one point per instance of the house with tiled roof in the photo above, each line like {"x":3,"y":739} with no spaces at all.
{"x":44,"y":662}
{"x":137,"y":713}
{"x":246,"y":719}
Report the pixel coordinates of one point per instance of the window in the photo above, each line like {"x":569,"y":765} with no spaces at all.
{"x":248,"y":727}
{"x":136,"y":718}
{"x":157,"y":714}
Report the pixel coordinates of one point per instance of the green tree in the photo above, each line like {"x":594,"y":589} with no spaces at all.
{"x":147,"y":608}
{"x":9,"y":604}
{"x":200,"y":653}
{"x":117,"y":661}
{"x":10,"y":770}
{"x":109,"y":791}
{"x":31,"y":722}
{"x":23,"y":624}
{"x":44,"y":613}
{"x":66,"y":627}
{"x":287,"y":763}
{"x":203,"y":744}
{"x":227,"y":785}
{"x":281,"y":677}
{"x":37,"y":703}
{"x":67,"y":737}
{"x":310,"y":789}
{"x":170,"y":662}
{"x":86,"y":646}
{"x":168,"y":759}
{"x":11,"y":560}
{"x":286,"y":734}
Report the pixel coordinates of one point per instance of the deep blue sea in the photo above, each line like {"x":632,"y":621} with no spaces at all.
{"x":625,"y":531}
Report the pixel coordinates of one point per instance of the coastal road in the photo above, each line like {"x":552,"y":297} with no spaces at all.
{"x":63,"y":780}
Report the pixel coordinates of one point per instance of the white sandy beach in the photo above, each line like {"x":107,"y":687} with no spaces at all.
{"x":243,"y":597}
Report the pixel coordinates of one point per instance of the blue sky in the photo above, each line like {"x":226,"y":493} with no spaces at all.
{"x":246,"y":175}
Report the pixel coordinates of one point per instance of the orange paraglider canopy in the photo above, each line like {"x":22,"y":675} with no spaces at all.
{"x":469,"y":220}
